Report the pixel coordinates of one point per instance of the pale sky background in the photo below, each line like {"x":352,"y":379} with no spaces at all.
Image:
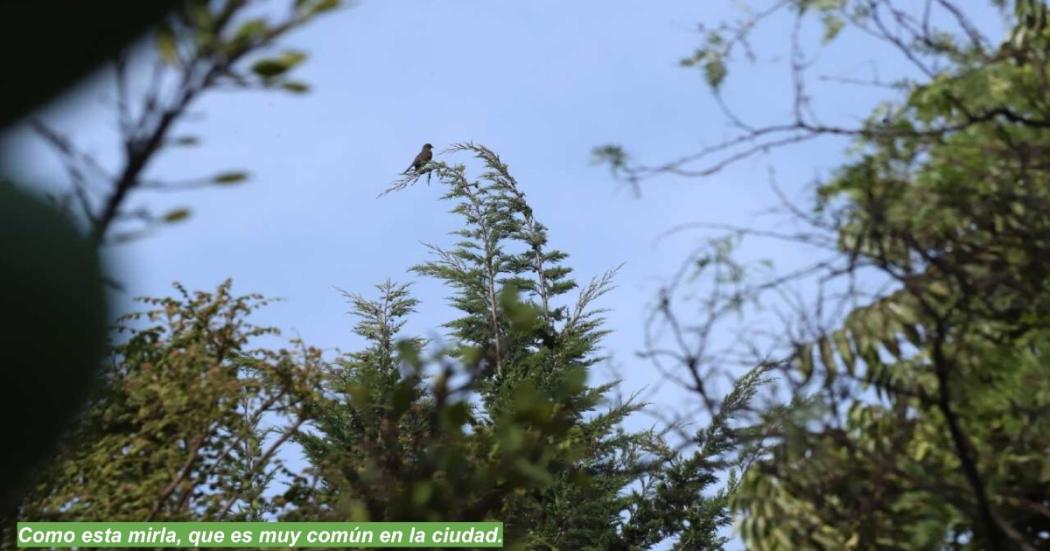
{"x":540,"y":82}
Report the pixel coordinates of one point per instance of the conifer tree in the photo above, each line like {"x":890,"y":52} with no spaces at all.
{"x":499,"y":422}
{"x":535,"y":451}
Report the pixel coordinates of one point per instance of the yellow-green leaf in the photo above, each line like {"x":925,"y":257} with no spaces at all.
{"x":295,"y":87}
{"x":229,"y":178}
{"x":177,"y":215}
{"x":804,"y":359}
{"x":166,"y":45}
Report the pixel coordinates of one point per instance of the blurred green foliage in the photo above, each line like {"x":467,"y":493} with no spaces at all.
{"x":53,"y":312}
{"x":940,"y":441}
{"x":46,"y":63}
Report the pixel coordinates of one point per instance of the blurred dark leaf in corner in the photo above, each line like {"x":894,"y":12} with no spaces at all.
{"x":52,"y":44}
{"x":53,"y":315}
{"x":52,"y":302}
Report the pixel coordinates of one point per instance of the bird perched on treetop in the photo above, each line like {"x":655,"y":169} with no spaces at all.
{"x":422,"y":159}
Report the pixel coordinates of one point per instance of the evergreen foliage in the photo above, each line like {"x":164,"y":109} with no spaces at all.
{"x":538,"y":450}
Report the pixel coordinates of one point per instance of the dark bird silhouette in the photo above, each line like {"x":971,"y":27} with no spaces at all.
{"x":421,"y":160}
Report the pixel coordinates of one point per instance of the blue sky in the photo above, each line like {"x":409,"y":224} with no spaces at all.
{"x":540,"y":82}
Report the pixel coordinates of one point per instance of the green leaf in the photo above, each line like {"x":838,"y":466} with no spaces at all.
{"x":273,"y":67}
{"x":314,"y":7}
{"x":199,"y":15}
{"x":230,"y":178}
{"x":804,"y":360}
{"x":326,"y":5}
{"x":832,"y":26}
{"x":177,"y":215}
{"x":714,"y":70}
{"x":841,"y":341}
{"x":251,"y":30}
{"x":269,"y":68}
{"x":295,"y":87}
{"x":166,"y":45}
